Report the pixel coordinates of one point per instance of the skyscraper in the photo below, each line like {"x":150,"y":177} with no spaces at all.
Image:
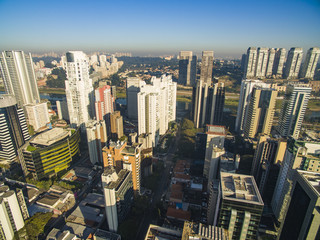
{"x":116,"y":125}
{"x":262,"y":61}
{"x":250,"y":65}
{"x":310,"y":64}
{"x":13,"y":128}
{"x":279,"y":60}
{"x":293,"y":109}
{"x":293,"y":63}
{"x":19,"y":78}
{"x":187,"y":68}
{"x":245,"y":95}
{"x":133,"y":88}
{"x":260,"y":113}
{"x":206,"y":67}
{"x":271,"y":62}
{"x":79,"y":90}
{"x":104,"y":103}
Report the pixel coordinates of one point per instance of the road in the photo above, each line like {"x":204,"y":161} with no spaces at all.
{"x":163,"y":185}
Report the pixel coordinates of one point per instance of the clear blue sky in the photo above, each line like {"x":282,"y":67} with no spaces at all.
{"x":227,"y":27}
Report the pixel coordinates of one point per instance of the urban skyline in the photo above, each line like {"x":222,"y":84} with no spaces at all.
{"x":159,"y":28}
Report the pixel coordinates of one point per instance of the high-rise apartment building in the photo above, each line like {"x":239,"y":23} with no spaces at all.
{"x":157,"y":106}
{"x":250,"y":66}
{"x":62,"y":108}
{"x":245,"y":96}
{"x":279,"y":61}
{"x":37,"y":115}
{"x":133,"y":88}
{"x":240,"y":206}
{"x":271,"y":61}
{"x":79,"y":90}
{"x":19,"y":77}
{"x":208,"y":103}
{"x":118,"y":195}
{"x":11,"y":219}
{"x":97,"y":139}
{"x":303,"y":216}
{"x":206,"y":67}
{"x":13,"y":128}
{"x":260,"y":113}
{"x":105,"y":102}
{"x":116,"y":125}
{"x":310,"y":64}
{"x":262,"y":62}
{"x":293,"y":109}
{"x":293,"y":63}
{"x":122,"y":156}
{"x":187,"y":68}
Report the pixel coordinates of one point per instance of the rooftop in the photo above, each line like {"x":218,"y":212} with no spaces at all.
{"x":122,"y":175}
{"x":178,"y":214}
{"x":199,"y":231}
{"x":50,"y":137}
{"x":313,"y":179}
{"x":105,"y":235}
{"x":240,"y":187}
{"x":216,"y":130}
{"x":161,"y":233}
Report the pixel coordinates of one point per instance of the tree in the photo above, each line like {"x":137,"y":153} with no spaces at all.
{"x":59,"y":81}
{"x":115,"y":80}
{"x":187,"y":124}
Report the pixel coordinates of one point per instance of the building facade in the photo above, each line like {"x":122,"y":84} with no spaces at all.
{"x":206,"y":67}
{"x":116,"y":125}
{"x":37,"y":115}
{"x":310,"y":64}
{"x":104,"y":102}
{"x":187,"y":68}
{"x":19,"y":77}
{"x":293,"y":63}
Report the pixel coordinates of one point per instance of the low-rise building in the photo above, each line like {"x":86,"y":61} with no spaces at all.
{"x":192,"y":231}
{"x":157,"y":232}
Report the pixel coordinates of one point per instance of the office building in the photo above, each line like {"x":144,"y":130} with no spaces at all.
{"x":206,"y":67}
{"x":294,"y":107}
{"x":301,"y":156}
{"x":261,"y":62}
{"x":266,"y":164}
{"x":19,"y":77}
{"x":97,"y":139}
{"x":260,"y":113}
{"x":310,"y":64}
{"x":105,"y":102}
{"x":199,"y":231}
{"x":118,"y":195}
{"x":293,"y":63}
{"x":116,"y":125}
{"x":187,"y":68}
{"x":122,"y":156}
{"x":279,"y":61}
{"x":240,"y":206}
{"x":303,"y":216}
{"x":133,"y":88}
{"x":37,"y":115}
{"x":13,"y":128}
{"x":79,"y":90}
{"x":157,"y":106}
{"x":208,"y":103}
{"x":215,"y":136}
{"x":244,"y":100}
{"x":50,"y":152}
{"x":11,"y":218}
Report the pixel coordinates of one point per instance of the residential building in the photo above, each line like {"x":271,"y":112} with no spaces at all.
{"x":11,"y":218}
{"x":294,"y":107}
{"x":279,"y":61}
{"x":293,"y":63}
{"x":22,"y":203}
{"x":260,"y":113}
{"x":37,"y":115}
{"x":250,"y":66}
{"x":262,"y":62}
{"x":62,"y":108}
{"x":13,"y":128}
{"x":116,"y":125}
{"x":19,"y":77}
{"x":157,"y":232}
{"x":97,"y":139}
{"x":118,"y":195}
{"x":208,"y":103}
{"x":105,"y":235}
{"x":122,"y":156}
{"x":271,"y":62}
{"x":187,"y":68}
{"x":303,"y":216}
{"x":105,"y":102}
{"x":310,"y":64}
{"x":240,"y":206}
{"x":79,"y":90}
{"x":133,"y":88}
{"x":206,"y":67}
{"x":193,"y":230}
{"x":244,"y":100}
{"x":50,"y":152}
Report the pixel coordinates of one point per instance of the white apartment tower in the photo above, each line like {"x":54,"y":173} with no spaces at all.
{"x":310,"y":64}
{"x":245,"y":95}
{"x":279,"y":60}
{"x":262,"y":61}
{"x":37,"y":115}
{"x":271,"y":58}
{"x":293,"y":63}
{"x":250,"y":66}
{"x":19,"y":77}
{"x":293,"y":109}
{"x":79,"y":90}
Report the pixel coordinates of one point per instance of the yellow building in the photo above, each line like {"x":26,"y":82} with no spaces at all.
{"x":50,"y":152}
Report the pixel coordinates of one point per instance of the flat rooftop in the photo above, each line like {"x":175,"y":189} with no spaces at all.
{"x":157,"y":232}
{"x":216,"y":130}
{"x":240,"y":187}
{"x":50,"y":137}
{"x":313,"y":179}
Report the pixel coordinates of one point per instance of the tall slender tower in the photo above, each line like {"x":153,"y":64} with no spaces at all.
{"x":262,"y":61}
{"x":104,"y":102}
{"x":279,"y":59}
{"x":271,"y":58}
{"x":19,"y":78}
{"x":79,"y":90}
{"x":250,"y":66}
{"x":293,"y":109}
{"x":187,"y":68}
{"x":293,"y":63}
{"x":260,"y":112}
{"x":206,"y":67}
{"x":310,"y":64}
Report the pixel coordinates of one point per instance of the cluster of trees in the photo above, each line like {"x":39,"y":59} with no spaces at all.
{"x":57,"y":82}
{"x":136,"y":63}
